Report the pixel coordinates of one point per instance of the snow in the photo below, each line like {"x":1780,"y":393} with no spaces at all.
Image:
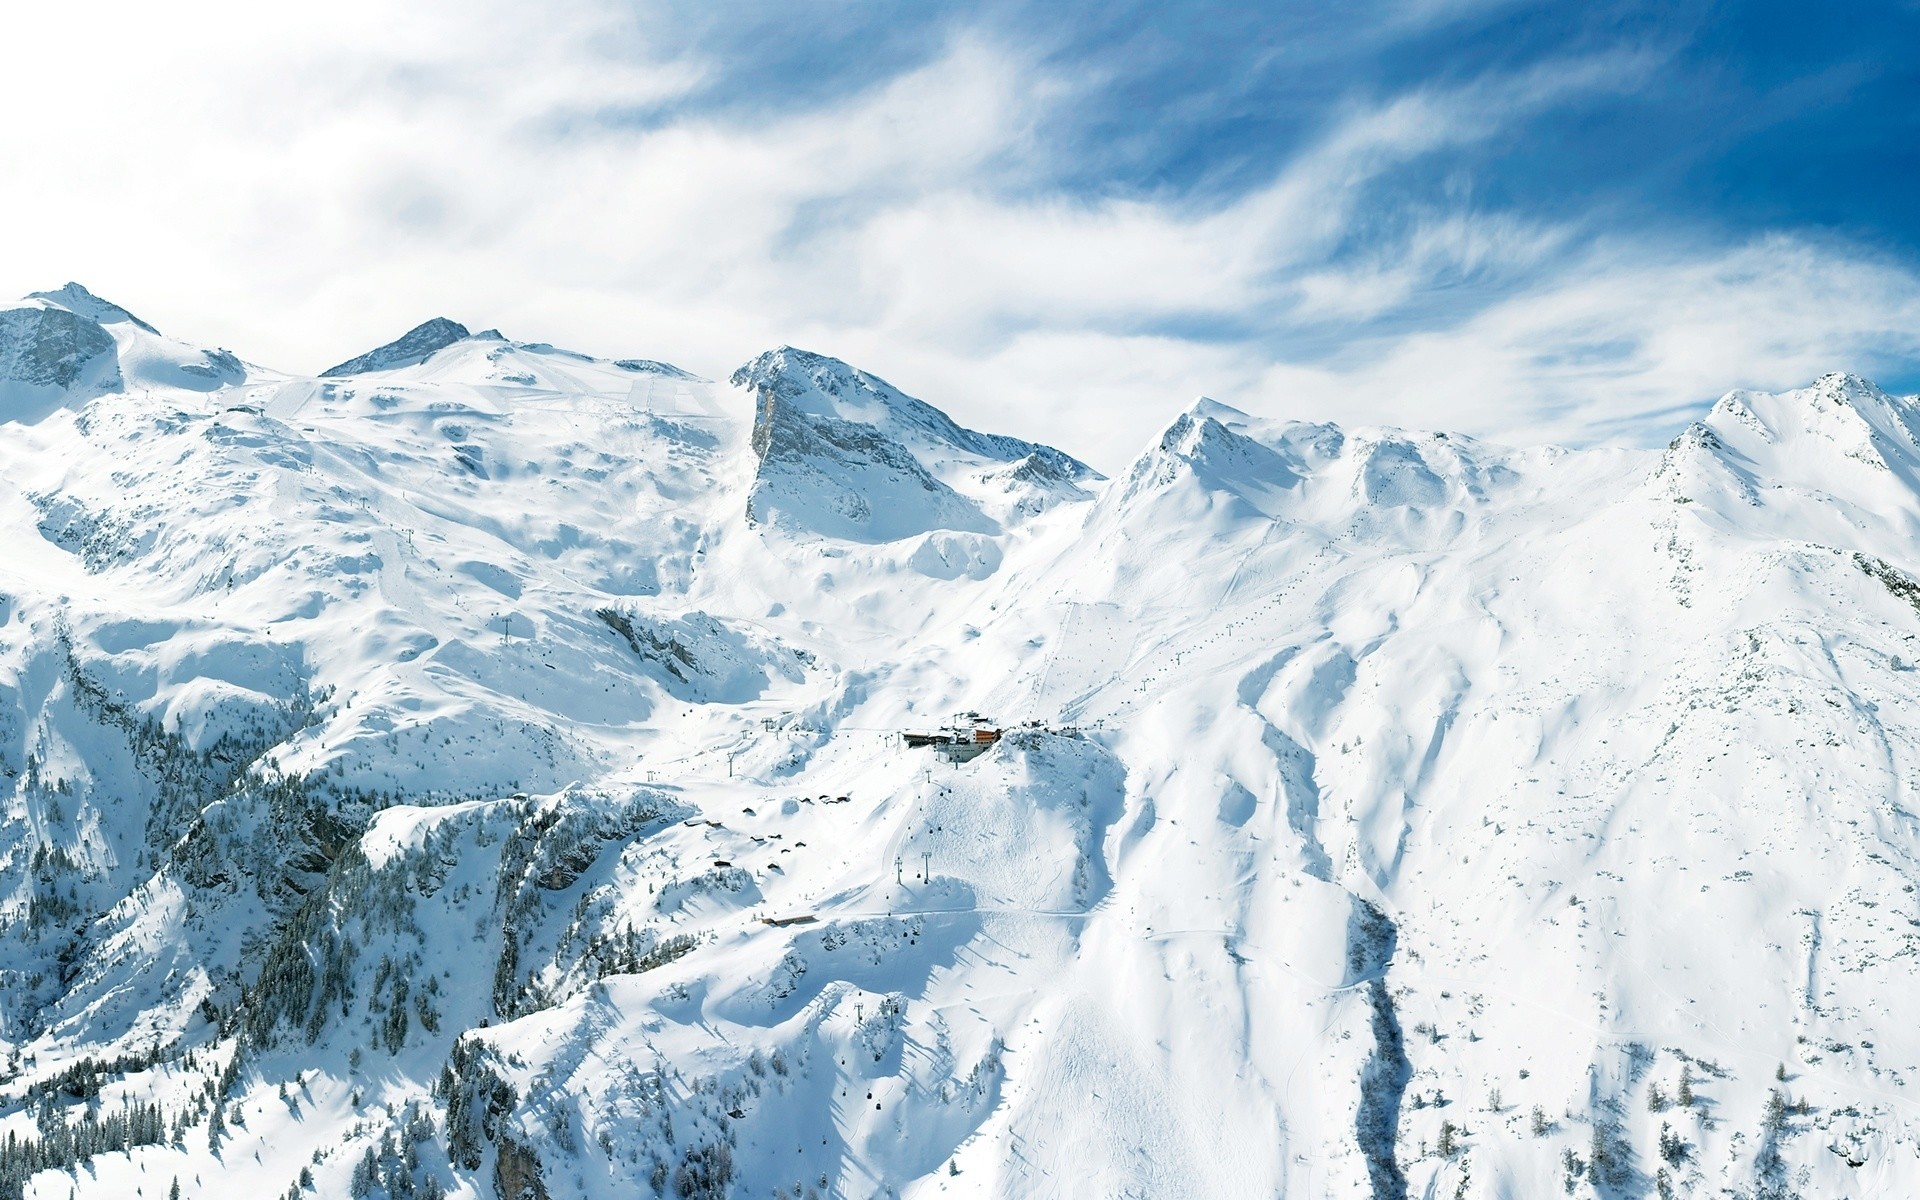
{"x":502,"y":740}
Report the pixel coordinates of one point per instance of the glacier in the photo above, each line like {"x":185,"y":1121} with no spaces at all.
{"x":477,"y":771}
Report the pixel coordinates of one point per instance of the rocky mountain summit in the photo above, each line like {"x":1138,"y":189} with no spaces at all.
{"x":411,"y":348}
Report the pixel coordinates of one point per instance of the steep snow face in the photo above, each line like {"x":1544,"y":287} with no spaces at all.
{"x":846,"y":455}
{"x":475,"y":775}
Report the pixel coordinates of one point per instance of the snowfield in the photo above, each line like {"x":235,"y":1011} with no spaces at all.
{"x":477,"y":771}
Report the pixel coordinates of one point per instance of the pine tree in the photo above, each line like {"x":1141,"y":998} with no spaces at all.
{"x":1775,"y":1121}
{"x":1671,"y":1147}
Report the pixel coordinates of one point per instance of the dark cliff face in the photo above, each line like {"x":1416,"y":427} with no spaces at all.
{"x":766,"y":408}
{"x":49,"y":346}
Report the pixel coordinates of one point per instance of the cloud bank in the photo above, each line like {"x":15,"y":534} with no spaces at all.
{"x":980,"y":208}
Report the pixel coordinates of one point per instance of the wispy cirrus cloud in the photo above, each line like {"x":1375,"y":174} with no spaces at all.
{"x":1623,"y":342}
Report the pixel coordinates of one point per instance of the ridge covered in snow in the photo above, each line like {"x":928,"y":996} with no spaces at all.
{"x":477,"y":771}
{"x":414,"y":346}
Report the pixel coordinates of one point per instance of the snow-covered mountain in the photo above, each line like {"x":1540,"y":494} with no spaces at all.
{"x":475,"y":771}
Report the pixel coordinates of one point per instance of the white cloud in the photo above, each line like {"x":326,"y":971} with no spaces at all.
{"x":301,"y":182}
{"x":1612,"y":345}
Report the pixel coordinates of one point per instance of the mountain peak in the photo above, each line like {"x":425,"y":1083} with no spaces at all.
{"x":76,"y":299}
{"x":824,"y":386}
{"x":812,"y":380}
{"x":847,"y":454}
{"x":1208,"y":407}
{"x":1817,"y":439}
{"x":416,"y":345}
{"x":1846,"y":383}
{"x":1838,"y":405}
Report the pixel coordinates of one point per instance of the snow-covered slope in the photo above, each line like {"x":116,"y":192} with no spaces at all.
{"x":474,"y":772}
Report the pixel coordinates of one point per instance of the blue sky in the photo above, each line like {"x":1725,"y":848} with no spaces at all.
{"x":1738,"y":116}
{"x":1574,"y":222}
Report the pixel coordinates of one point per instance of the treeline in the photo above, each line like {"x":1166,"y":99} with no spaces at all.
{"x":63,"y":1145}
{"x":392,"y":1168}
{"x":62,"y":1142}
